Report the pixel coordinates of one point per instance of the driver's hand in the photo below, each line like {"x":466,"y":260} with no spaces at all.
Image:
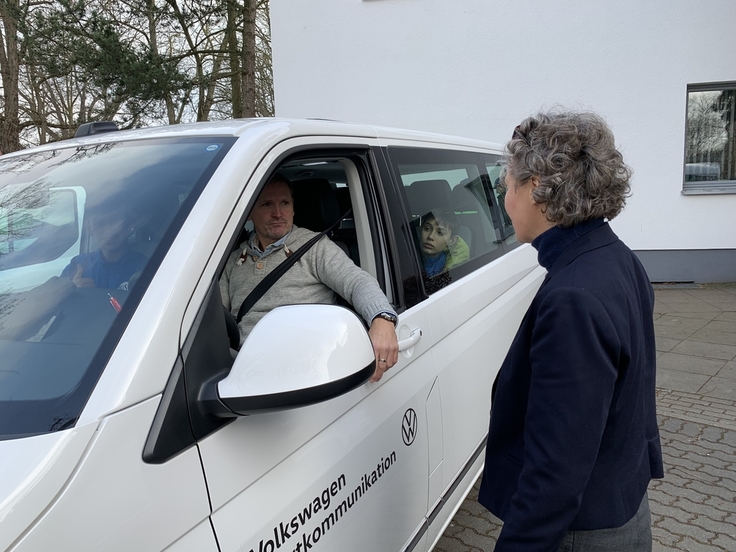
{"x":385,"y":346}
{"x":82,"y":282}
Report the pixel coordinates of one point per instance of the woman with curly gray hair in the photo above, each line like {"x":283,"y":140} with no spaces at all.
{"x":573,"y":439}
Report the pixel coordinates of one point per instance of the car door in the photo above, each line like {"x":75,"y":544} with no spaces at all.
{"x":349,"y":473}
{"x":474,"y":307}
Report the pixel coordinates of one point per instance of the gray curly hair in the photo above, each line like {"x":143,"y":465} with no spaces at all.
{"x":581,"y":174}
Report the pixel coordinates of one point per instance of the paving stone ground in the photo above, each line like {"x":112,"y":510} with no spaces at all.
{"x":694,"y":506}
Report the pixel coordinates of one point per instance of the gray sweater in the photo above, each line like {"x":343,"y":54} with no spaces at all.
{"x":315,"y":278}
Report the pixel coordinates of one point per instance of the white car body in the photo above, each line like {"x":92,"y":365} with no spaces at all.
{"x":383,"y":466}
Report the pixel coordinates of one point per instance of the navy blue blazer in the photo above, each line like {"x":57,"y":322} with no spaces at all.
{"x":573,"y":439}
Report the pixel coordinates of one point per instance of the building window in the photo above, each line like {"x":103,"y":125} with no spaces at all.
{"x":710,"y":143}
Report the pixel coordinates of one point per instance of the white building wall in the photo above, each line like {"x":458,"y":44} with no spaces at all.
{"x":476,"y":68}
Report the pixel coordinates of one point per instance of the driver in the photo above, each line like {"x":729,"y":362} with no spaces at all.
{"x":323,"y":271}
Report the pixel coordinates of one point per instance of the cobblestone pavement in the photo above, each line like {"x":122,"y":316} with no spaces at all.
{"x":694,"y":506}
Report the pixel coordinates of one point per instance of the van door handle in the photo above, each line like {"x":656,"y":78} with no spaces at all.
{"x":411,"y":340}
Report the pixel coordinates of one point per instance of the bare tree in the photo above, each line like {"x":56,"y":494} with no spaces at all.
{"x":139,"y":62}
{"x":11,"y":13}
{"x":248,"y":71}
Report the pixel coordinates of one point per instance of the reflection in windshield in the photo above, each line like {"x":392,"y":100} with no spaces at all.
{"x":82,"y":231}
{"x":37,"y":224}
{"x":111,"y":225}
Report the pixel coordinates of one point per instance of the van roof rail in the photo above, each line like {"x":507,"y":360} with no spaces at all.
{"x":97,"y":127}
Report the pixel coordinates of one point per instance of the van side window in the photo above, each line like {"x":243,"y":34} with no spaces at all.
{"x":456,"y":223}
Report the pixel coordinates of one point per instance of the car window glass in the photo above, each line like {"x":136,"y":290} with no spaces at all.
{"x":452,"y":210}
{"x":438,"y":216}
{"x":80,"y":232}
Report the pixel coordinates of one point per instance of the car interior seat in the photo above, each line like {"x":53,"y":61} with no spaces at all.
{"x":316,"y":207}
{"x":425,"y":195}
{"x":474,"y":215}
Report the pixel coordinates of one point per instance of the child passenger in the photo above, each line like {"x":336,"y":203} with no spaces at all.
{"x":441,"y":248}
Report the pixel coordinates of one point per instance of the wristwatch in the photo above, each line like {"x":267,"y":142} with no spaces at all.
{"x":387,"y":316}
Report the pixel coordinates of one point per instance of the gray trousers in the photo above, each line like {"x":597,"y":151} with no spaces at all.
{"x":633,"y":536}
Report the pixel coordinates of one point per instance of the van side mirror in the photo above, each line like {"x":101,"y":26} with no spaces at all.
{"x":295,"y":356}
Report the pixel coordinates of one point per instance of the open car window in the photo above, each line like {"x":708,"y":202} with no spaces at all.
{"x":83,"y":230}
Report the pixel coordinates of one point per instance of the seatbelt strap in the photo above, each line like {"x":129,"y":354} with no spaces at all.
{"x":280,"y":270}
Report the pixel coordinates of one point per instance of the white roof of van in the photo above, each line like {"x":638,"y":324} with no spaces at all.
{"x":273,"y":127}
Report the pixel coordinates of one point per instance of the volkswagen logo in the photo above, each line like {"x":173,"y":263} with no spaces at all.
{"x":409,"y":427}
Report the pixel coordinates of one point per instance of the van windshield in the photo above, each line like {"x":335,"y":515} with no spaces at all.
{"x":83,"y":230}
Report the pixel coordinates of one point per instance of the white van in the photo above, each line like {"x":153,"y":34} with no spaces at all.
{"x":127,"y":423}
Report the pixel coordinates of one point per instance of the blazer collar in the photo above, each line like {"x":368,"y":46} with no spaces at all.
{"x":553,"y":242}
{"x":598,"y":237}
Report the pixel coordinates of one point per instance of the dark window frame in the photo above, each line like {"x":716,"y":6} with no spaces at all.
{"x":692,"y":164}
